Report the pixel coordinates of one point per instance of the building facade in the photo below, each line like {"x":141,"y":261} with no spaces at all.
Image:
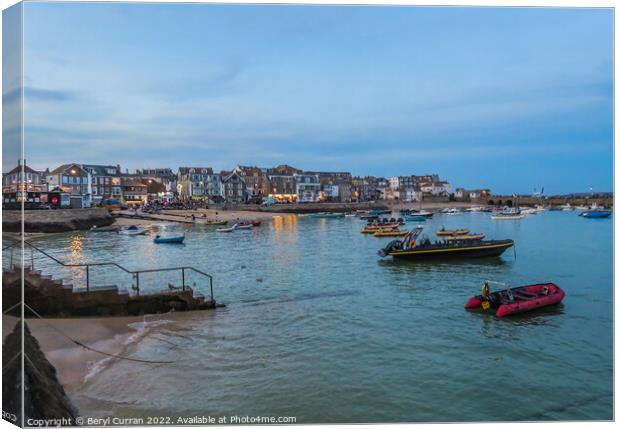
{"x":233,"y":187}
{"x":105,"y":181}
{"x":70,"y":178}
{"x":198,"y":183}
{"x":307,"y":187}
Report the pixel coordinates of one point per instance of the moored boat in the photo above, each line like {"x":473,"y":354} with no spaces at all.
{"x":412,"y":248}
{"x":596,"y":214}
{"x":508,"y":214}
{"x":415,"y":218}
{"x":231,"y":229}
{"x":516,"y":300}
{"x":447,"y":232}
{"x":244,"y":226}
{"x":325,"y":215}
{"x":172,"y":239}
{"x":372,"y":228}
{"x":132,"y":230}
{"x":391,"y":233}
{"x":212,"y":222}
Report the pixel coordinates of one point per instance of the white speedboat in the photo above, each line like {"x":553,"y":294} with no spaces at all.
{"x":528,"y":211}
{"x":132,"y":230}
{"x":231,"y":229}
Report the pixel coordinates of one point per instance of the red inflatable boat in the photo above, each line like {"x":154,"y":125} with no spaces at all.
{"x":518,"y":299}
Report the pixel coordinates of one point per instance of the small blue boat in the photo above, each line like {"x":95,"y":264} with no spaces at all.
{"x":415,"y":218}
{"x":175,"y":239}
{"x":596,"y":214}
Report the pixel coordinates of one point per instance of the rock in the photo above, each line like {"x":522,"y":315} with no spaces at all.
{"x":44,"y":396}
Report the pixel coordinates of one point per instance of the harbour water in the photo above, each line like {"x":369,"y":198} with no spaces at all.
{"x":318,"y":327}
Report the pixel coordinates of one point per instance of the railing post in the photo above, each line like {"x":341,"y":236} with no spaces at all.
{"x":138,"y":283}
{"x":183,"y":277}
{"x":87,"y":279}
{"x":211,"y":287}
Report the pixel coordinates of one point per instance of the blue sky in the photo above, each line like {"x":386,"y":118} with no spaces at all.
{"x":510,"y":99}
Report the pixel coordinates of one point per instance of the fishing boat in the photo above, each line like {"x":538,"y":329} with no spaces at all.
{"x":231,"y":229}
{"x":452,"y":212}
{"x":516,"y":300}
{"x":172,"y":239}
{"x":132,"y":230}
{"x":446,"y":232}
{"x":425,"y":214}
{"x":325,"y":215}
{"x":390,"y":233}
{"x":414,"y":247}
{"x":596,"y":214}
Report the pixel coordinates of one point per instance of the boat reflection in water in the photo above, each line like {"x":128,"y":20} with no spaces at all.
{"x":415,"y":247}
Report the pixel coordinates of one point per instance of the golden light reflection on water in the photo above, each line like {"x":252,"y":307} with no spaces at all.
{"x":284,"y":224}
{"x":284,"y":239}
{"x":76,"y":256}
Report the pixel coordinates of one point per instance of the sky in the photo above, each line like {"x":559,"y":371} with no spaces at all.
{"x":510,"y":99}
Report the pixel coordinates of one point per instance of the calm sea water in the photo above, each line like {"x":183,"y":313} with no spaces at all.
{"x":317,"y":326}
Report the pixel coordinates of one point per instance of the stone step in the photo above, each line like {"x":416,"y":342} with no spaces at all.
{"x":103,"y":288}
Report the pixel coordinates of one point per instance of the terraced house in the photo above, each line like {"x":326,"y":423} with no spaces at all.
{"x":105,"y":181}
{"x":199,"y":183}
{"x":233,"y":187}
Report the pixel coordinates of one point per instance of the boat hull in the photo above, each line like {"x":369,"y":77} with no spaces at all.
{"x":415,"y":218}
{"x":470,"y":250}
{"x":596,"y":214}
{"x":169,"y":240}
{"x":326,"y":215}
{"x":521,"y":304}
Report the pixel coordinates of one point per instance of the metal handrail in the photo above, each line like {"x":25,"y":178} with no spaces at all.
{"x":135,"y":274}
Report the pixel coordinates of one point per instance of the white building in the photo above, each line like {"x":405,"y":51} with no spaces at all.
{"x":307,"y":187}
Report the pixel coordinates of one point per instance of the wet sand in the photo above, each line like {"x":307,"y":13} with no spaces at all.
{"x":114,"y":335}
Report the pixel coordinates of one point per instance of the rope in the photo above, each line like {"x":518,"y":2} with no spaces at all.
{"x":11,"y":308}
{"x":92,"y":349}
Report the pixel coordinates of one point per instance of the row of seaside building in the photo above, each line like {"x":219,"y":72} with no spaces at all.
{"x":86,"y":184}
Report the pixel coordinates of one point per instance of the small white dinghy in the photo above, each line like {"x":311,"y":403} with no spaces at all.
{"x":132,"y":230}
{"x":231,"y":229}
{"x":245,"y":226}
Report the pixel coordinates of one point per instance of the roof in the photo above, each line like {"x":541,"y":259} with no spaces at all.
{"x":64,"y":167}
{"x":100,"y":170}
{"x":26,"y":170}
{"x":199,"y":170}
